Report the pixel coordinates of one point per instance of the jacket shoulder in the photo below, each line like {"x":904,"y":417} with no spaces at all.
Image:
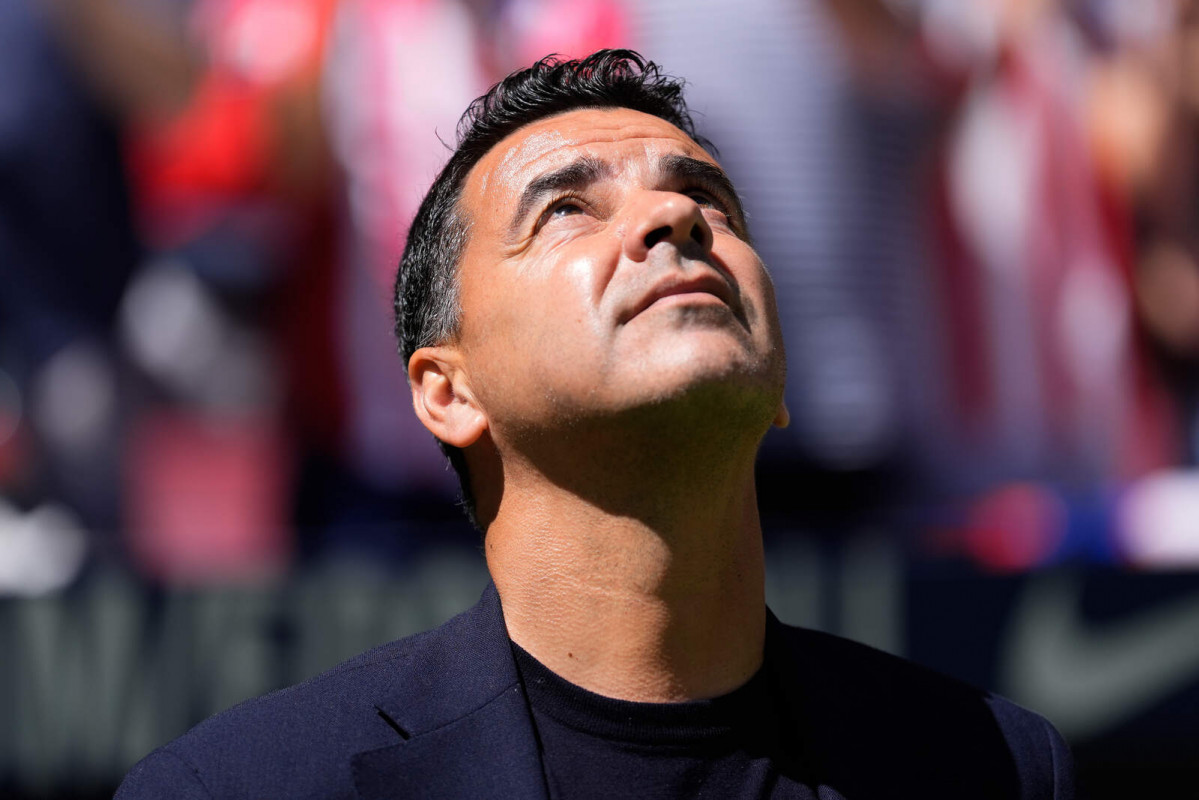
{"x":859,"y":705}
{"x":298,"y":741}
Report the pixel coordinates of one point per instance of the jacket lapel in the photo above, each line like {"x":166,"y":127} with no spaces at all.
{"x":491,"y":753}
{"x":463,"y":714}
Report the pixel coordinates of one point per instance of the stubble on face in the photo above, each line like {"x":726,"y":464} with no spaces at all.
{"x":553,"y":331}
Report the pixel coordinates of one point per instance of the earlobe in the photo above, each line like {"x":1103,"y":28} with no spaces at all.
{"x":782,"y":417}
{"x":442,"y":398}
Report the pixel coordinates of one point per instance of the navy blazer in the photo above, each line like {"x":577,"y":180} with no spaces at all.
{"x":442,"y":715}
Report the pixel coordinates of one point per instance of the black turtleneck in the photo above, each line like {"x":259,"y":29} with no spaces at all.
{"x":599,"y":747}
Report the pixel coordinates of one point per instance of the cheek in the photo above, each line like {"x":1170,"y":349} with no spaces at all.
{"x":521,"y":331}
{"x":750,"y":273}
{"x":574,"y":269}
{"x":539,"y":319}
{"x":561,"y":296}
{"x":767,"y":304}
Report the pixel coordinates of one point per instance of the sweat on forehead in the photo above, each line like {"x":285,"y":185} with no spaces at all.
{"x":552,"y":143}
{"x":426,"y":297}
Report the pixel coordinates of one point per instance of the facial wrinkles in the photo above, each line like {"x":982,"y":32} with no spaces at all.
{"x":635,"y":161}
{"x":513,"y":159}
{"x":542,"y":151}
{"x":636,"y":172}
{"x":635,"y":154}
{"x":540,"y":148}
{"x":557,"y":297}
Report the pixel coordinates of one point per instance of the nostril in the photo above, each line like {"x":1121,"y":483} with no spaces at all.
{"x":697,"y":233}
{"x":655,"y":236}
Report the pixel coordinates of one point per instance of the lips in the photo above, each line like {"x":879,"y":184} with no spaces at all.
{"x":709,"y":283}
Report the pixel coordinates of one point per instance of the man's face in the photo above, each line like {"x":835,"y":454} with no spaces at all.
{"x":608,"y":269}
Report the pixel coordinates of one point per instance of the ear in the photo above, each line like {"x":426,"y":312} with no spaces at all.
{"x":782,"y":417}
{"x":442,"y":398}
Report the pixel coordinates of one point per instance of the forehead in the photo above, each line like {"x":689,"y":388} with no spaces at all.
{"x":619,"y":135}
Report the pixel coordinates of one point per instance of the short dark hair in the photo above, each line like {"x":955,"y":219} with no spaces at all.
{"x":427,"y":311}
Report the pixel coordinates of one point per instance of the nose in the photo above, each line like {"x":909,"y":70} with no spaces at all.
{"x":657,"y":217}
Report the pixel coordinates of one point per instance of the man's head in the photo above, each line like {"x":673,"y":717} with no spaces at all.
{"x":580,"y":255}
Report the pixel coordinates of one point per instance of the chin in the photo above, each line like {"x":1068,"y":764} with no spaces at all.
{"x":718,"y":359}
{"x":710,"y":385}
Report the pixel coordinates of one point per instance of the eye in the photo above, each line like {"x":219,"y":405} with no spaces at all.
{"x":704,"y":200}
{"x":564,"y":208}
{"x":561,"y":208}
{"x":717,"y":208}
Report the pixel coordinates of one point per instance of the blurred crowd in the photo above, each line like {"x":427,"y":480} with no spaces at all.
{"x":982,"y":219}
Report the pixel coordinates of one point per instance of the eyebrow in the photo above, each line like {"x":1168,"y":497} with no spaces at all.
{"x":587,"y":170}
{"x":578,"y":174}
{"x":706,"y":175}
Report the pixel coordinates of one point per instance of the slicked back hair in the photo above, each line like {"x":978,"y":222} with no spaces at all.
{"x":427,"y":310}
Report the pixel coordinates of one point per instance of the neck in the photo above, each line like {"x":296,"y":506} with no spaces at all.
{"x":634,"y":578}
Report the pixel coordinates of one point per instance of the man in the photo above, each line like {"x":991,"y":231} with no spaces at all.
{"x":592,"y":338}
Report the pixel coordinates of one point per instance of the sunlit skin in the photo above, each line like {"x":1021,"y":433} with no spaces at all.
{"x":618,"y":361}
{"x":554,"y":291}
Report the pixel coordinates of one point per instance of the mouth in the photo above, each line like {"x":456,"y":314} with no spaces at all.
{"x":705,"y":289}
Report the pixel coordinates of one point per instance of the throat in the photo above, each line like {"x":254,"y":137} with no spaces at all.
{"x":625,"y":611}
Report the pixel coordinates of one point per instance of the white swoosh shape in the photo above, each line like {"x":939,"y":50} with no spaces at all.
{"x":1089,"y":677}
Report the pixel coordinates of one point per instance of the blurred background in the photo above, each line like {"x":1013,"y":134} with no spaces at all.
{"x":982,"y":217}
